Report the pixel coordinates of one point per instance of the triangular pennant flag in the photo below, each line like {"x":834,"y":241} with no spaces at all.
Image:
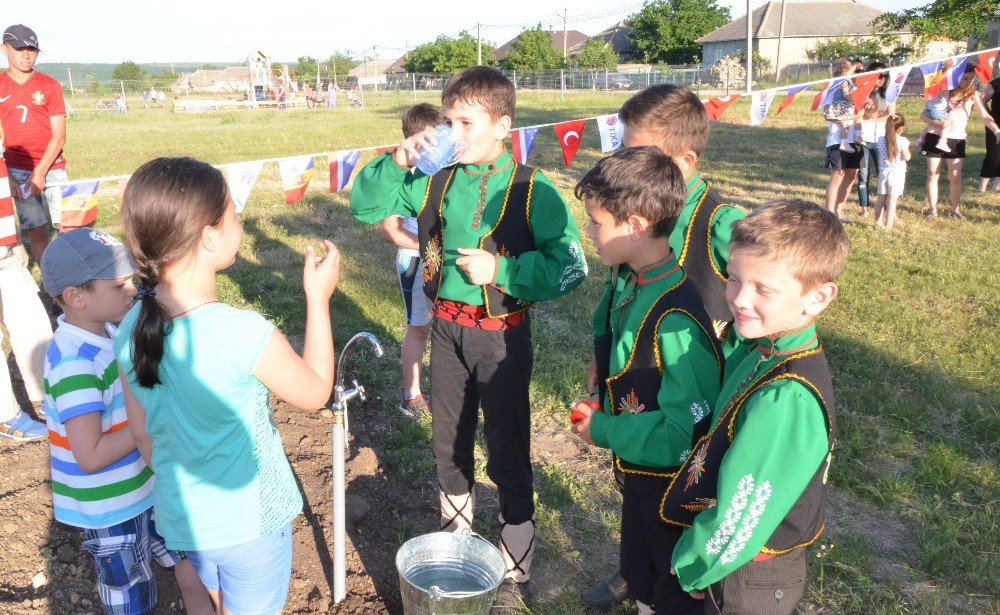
{"x":953,"y":76}
{"x":242,"y":177}
{"x":611,"y":131}
{"x":78,"y":205}
{"x":521,"y":141}
{"x":385,"y":149}
{"x":8,"y":226}
{"x":897,"y":78}
{"x":865,"y":84}
{"x":825,"y":96}
{"x":759,"y":105}
{"x":341,"y":167}
{"x":984,"y":66}
{"x":793,"y":93}
{"x":295,"y":176}
{"x":715,"y":107}
{"x":570,"y":134}
{"x":933,"y":76}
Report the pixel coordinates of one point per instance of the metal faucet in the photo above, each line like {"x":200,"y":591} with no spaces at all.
{"x":340,"y":395}
{"x":340,"y":439}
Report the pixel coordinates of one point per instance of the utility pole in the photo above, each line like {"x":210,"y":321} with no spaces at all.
{"x":72,"y":91}
{"x":749,"y":48}
{"x":374,"y":67}
{"x":565,"y":36}
{"x":781,"y":35}
{"x":479,"y":44}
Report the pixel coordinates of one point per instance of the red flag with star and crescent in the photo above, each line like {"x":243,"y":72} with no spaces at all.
{"x":984,"y":66}
{"x":570,"y":134}
{"x":865,"y":85}
{"x":715,"y":107}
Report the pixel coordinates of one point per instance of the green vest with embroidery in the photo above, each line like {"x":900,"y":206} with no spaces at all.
{"x":694,"y":487}
{"x":635,"y":388}
{"x":511,"y":235}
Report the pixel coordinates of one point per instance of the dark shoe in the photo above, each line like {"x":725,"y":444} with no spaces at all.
{"x":512,"y":597}
{"x":413,"y":408}
{"x":607,"y":593}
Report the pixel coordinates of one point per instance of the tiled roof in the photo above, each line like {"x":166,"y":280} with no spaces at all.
{"x":805,"y":18}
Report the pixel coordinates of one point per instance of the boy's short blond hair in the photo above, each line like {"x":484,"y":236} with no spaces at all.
{"x":671,"y":114}
{"x":485,"y":86}
{"x":809,"y":239}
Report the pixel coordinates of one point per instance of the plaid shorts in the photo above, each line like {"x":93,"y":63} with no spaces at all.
{"x":122,"y":557}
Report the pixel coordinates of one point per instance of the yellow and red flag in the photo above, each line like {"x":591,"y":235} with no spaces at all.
{"x":933,"y":73}
{"x":79,"y":205}
{"x":793,"y":93}
{"x":295,"y":176}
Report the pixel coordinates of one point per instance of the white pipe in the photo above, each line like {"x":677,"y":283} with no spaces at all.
{"x":339,"y":530}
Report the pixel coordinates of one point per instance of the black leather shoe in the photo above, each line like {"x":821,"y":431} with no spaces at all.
{"x":607,"y":593}
{"x":512,"y":597}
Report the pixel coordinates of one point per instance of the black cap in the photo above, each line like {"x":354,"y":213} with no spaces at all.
{"x":20,"y":36}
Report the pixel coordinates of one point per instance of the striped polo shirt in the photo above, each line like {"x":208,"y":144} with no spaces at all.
{"x":81,"y":376}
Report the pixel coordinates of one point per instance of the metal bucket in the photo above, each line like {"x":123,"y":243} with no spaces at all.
{"x":449,"y":574}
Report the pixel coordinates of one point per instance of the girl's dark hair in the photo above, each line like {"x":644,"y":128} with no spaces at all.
{"x":167,"y":204}
{"x":892,"y":124}
{"x":885,"y":76}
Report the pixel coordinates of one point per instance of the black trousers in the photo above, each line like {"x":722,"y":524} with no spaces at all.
{"x":473,"y":368}
{"x":647,"y":545}
{"x":771,"y":587}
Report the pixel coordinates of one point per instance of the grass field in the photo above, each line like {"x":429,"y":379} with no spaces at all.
{"x":912,"y":338}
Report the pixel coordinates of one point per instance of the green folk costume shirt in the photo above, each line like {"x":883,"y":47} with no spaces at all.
{"x":780,"y":440}
{"x":690,"y":380}
{"x":555,"y":267}
{"x":721,"y":228}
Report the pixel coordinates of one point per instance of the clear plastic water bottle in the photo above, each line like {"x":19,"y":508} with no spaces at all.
{"x":446,"y":153}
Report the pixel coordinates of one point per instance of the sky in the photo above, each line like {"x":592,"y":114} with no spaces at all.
{"x":207,"y":31}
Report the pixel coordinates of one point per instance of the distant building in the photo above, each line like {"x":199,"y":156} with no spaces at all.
{"x":370,"y":72}
{"x":806,"y":23}
{"x":617,"y":36}
{"x":574,"y":42}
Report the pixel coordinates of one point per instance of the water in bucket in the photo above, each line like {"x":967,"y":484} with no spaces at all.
{"x":448,"y":574}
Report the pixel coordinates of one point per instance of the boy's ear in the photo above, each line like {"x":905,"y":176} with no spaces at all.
{"x":687,"y":160}
{"x":637,"y":227}
{"x":73,"y":297}
{"x":820,"y":298}
{"x":502,"y":127}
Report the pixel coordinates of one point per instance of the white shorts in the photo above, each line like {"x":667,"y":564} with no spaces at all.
{"x":891,"y":181}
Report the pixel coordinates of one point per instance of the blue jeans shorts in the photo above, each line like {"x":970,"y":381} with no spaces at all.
{"x":411,"y":285}
{"x":122,"y":557}
{"x":39,"y":209}
{"x":252,"y":577}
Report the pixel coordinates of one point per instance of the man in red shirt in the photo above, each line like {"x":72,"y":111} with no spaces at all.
{"x":33,"y":119}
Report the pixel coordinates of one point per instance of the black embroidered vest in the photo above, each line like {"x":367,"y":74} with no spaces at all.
{"x":696,"y":258}
{"x":695,"y":486}
{"x":635,"y":388}
{"x":511,"y":235}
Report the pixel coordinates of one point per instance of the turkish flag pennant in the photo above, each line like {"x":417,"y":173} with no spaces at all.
{"x":865,"y":85}
{"x":385,"y":150}
{"x":715,"y":107}
{"x":984,"y":66}
{"x":569,"y":134}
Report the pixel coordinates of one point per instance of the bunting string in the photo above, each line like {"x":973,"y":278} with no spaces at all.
{"x":296,"y":171}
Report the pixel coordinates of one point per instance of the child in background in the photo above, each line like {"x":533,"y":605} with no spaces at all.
{"x":99,"y":481}
{"x":26,"y":321}
{"x":894,"y":153}
{"x":197,"y":399}
{"x":655,"y":340}
{"x":841,"y":108}
{"x":402,"y":231}
{"x":937,"y":108}
{"x":752,"y":492}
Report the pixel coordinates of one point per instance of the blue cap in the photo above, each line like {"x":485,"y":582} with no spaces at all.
{"x":80,"y":255}
{"x":20,"y":36}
